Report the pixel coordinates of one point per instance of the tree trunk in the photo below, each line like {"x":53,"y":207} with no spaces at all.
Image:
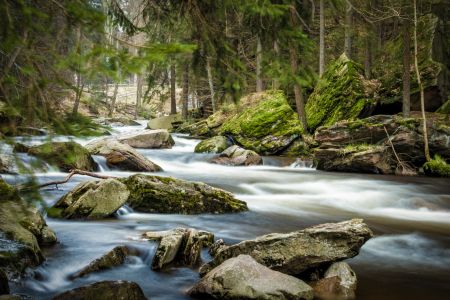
{"x":348,"y":30}
{"x":406,"y":69}
{"x":211,"y":84}
{"x":276,"y":49}
{"x":112,"y":107}
{"x":138,"y":95}
{"x":173,"y":96}
{"x":77,"y":95}
{"x":299,"y":102}
{"x":259,"y":81}
{"x":322,"y":39}
{"x":185,"y":96}
{"x":419,"y":82}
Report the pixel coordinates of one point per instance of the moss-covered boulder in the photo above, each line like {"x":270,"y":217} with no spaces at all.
{"x":267,"y":128}
{"x":156,"y":194}
{"x":437,"y":167}
{"x":237,"y":156}
{"x":22,"y":232}
{"x":91,"y":200}
{"x":65,"y":155}
{"x":213,"y":145}
{"x":341,"y":94}
{"x":105,"y":290}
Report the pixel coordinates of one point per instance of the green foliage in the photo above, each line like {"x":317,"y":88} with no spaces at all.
{"x":437,"y":167}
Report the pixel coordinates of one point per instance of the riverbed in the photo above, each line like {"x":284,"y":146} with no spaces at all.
{"x":409,"y":257}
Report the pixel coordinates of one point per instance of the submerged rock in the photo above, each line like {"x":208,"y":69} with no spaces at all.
{"x":121,"y":156}
{"x":267,"y":127}
{"x":342,"y":93}
{"x":113,"y":258}
{"x":298,"y":251}
{"x":237,"y":156}
{"x":65,"y":155}
{"x":105,"y":290}
{"x":242,"y":277}
{"x":148,"y":139}
{"x":339,"y":282}
{"x":215,"y":144}
{"x":156,"y":194}
{"x":23,"y":231}
{"x":91,"y":200}
{"x":181,"y":246}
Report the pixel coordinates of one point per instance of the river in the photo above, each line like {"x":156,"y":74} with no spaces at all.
{"x":409,"y":257}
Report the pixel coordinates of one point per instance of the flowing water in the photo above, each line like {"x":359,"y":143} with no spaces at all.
{"x":409,"y":258}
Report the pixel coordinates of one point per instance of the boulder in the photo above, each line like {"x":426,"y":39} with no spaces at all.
{"x":65,"y":155}
{"x":6,"y":164}
{"x":117,"y":121}
{"x":113,"y":258}
{"x":242,"y":277}
{"x":181,"y":246}
{"x":267,"y":127}
{"x":215,"y":144}
{"x":164,"y":122}
{"x":206,"y":128}
{"x":121,"y":156}
{"x":23,"y":231}
{"x":148,"y":139}
{"x":105,"y":290}
{"x":4,"y":286}
{"x":339,"y":282}
{"x":299,"y":251}
{"x":237,"y":156}
{"x":91,"y":200}
{"x":156,"y":194}
{"x":341,"y":93}
{"x":361,"y":158}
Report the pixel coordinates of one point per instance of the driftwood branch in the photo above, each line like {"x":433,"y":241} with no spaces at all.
{"x":68,"y":177}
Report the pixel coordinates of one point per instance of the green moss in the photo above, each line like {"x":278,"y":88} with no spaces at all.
{"x":437,"y":167}
{"x":213,"y":145}
{"x":7,"y":192}
{"x":339,"y":95}
{"x":351,"y":148}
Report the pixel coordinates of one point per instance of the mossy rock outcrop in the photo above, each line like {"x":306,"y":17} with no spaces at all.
{"x":341,"y":94}
{"x":91,"y":200}
{"x":65,"y":155}
{"x":437,"y":167}
{"x":23,"y":231}
{"x":156,"y":194}
{"x":267,"y":128}
{"x":213,"y":145}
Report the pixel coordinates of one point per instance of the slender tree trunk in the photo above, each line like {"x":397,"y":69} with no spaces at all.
{"x":276,"y":49}
{"x":185,"y":96}
{"x":112,"y":107}
{"x":211,"y":84}
{"x":173,"y":96}
{"x":299,"y":101}
{"x":259,"y":81}
{"x":138,"y":95}
{"x":419,"y":82}
{"x":406,"y":69}
{"x":348,"y":30}
{"x":322,"y":39}
{"x":78,"y":94}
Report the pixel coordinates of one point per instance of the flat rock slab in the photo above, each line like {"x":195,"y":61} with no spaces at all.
{"x":295,"y":252}
{"x":148,"y":139}
{"x":244,"y":278}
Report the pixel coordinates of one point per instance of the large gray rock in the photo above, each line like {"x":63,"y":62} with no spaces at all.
{"x":91,"y":200}
{"x":155,"y":194}
{"x":148,"y":139}
{"x":215,"y":144}
{"x":113,"y":258}
{"x":117,"y":121}
{"x":23,"y":231}
{"x":339,"y":282}
{"x":242,"y":277}
{"x":121,"y":156}
{"x":105,"y":290}
{"x":237,"y":156}
{"x":295,"y":252}
{"x":181,"y":246}
{"x":6,"y":164}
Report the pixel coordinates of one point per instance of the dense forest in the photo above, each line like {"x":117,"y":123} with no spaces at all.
{"x":301,"y":149}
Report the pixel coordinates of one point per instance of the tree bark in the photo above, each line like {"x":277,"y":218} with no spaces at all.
{"x":138,"y":95}
{"x":419,"y":82}
{"x":173,"y":96}
{"x":299,"y":101}
{"x":211,"y":84}
{"x":185,"y":96}
{"x":406,"y":69}
{"x":78,"y":74}
{"x":112,"y":107}
{"x":322,"y":39}
{"x":348,"y":30}
{"x":259,"y":81}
